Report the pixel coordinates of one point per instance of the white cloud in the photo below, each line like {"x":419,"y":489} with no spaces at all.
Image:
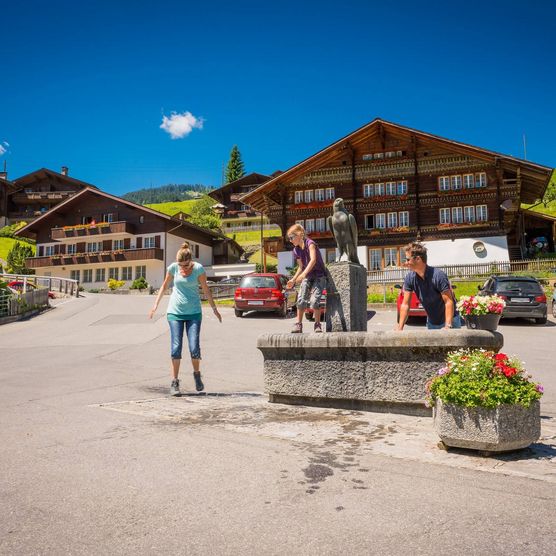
{"x":180,"y":125}
{"x":3,"y":147}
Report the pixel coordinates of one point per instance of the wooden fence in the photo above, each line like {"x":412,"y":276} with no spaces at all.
{"x":13,"y":304}
{"x":65,"y":286}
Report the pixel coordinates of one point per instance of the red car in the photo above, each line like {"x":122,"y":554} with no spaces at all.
{"x":415,"y":307}
{"x":18,"y":286}
{"x":264,"y":292}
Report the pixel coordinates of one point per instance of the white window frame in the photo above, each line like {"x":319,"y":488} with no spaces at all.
{"x":139,"y":272}
{"x":481,"y":212}
{"x":444,"y":216}
{"x":444,"y":183}
{"x":100,"y":275}
{"x":457,"y":215}
{"x":403,"y":218}
{"x":93,"y":247}
{"x":310,"y":225}
{"x":118,"y":244}
{"x":367,"y":216}
{"x":149,"y":242}
{"x":392,"y":220}
{"x":75,"y":275}
{"x":469,"y":214}
{"x":380,"y":220}
{"x":319,"y":195}
{"x":301,"y":223}
{"x":375,"y":259}
{"x":390,"y":188}
{"x":455,"y":182}
{"x":320,"y":225}
{"x":298,"y":197}
{"x":379,"y":189}
{"x":48,"y":250}
{"x":330,"y":193}
{"x":71,"y":249}
{"x":113,"y":273}
{"x":127,"y":273}
{"x":308,"y":195}
{"x":368,"y":189}
{"x":481,"y":179}
{"x":468,"y":181}
{"x":87,"y":275}
{"x":390,"y":256}
{"x":402,"y":187}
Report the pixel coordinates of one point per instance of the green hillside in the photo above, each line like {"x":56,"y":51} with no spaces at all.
{"x":550,"y":207}
{"x":252,"y":238}
{"x":6,"y":243}
{"x":175,"y":207}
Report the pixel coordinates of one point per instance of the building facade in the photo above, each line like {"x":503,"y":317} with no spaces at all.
{"x":94,"y":236}
{"x":404,"y":185}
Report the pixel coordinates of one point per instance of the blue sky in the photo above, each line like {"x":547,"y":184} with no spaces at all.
{"x":87,"y":84}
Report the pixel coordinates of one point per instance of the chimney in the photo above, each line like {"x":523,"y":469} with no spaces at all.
{"x":64,"y":171}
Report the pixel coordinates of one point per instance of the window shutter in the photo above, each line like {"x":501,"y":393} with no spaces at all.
{"x":139,"y":242}
{"x":81,"y":247}
{"x":157,"y":241}
{"x":107,"y":245}
{"x":127,"y":243}
{"x":41,"y":251}
{"x":56,"y":249}
{"x":62,"y":249}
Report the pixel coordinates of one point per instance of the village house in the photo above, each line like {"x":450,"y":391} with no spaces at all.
{"x":31,"y":195}
{"x":404,"y":185}
{"x":93,"y":236}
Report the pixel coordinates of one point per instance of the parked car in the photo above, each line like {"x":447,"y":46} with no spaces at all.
{"x":18,"y":286}
{"x":523,"y":295}
{"x":264,"y":292}
{"x":310,"y":314}
{"x":416,"y":308}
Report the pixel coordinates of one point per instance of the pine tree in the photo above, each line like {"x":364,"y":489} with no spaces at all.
{"x":235,"y":168}
{"x":16,"y":258}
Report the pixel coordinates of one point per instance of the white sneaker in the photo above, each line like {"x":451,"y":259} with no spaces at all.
{"x":175,"y":388}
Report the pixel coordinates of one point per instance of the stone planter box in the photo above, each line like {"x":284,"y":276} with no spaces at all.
{"x":502,"y":429}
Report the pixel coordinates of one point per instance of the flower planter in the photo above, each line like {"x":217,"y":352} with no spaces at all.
{"x":501,"y":429}
{"x":482,"y":322}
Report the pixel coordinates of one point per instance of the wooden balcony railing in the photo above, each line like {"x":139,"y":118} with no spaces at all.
{"x":102,"y":228}
{"x":124,"y":256}
{"x":41,"y":196}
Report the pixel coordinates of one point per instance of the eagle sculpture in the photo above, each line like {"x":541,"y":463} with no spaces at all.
{"x":344,"y":229}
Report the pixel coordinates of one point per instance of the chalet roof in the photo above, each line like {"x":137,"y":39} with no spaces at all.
{"x":8,"y":185}
{"x":35,"y":225}
{"x":42,"y":173}
{"x":250,"y":179}
{"x":535,"y":177}
{"x":540,"y":215}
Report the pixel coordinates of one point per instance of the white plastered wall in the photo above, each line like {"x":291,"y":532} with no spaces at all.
{"x":461,"y":251}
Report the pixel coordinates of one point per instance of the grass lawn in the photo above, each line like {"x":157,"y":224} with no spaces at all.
{"x":252,"y":238}
{"x":6,"y":243}
{"x":173,"y":208}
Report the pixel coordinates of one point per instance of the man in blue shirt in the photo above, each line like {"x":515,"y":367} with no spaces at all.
{"x":432,"y":287}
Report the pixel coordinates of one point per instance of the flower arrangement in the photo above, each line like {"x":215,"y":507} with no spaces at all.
{"x":480,"y":305}
{"x":480,"y":378}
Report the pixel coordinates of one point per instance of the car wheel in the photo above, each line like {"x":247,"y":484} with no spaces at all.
{"x":238,"y":313}
{"x":283,"y":311}
{"x":542,"y":320}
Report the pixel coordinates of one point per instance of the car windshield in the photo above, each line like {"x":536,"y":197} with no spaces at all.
{"x":258,"y":282}
{"x":518,"y":286}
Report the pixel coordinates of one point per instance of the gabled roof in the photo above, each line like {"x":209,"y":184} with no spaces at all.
{"x":8,"y":185}
{"x":535,"y":176}
{"x":33,"y":226}
{"x":250,"y":179}
{"x":45,"y":172}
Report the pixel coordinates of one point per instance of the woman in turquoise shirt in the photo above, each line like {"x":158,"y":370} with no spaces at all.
{"x":184,"y":311}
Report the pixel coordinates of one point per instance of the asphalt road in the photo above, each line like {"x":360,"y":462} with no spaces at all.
{"x":97,"y":459}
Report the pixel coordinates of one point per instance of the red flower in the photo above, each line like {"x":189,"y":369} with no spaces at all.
{"x":500,"y":357}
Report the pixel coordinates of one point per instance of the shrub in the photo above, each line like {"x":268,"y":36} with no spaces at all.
{"x":479,"y":378}
{"x":139,"y":284}
{"x":115,"y":284}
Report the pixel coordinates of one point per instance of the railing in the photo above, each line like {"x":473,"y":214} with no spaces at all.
{"x":19,"y":303}
{"x":85,"y":230}
{"x":22,"y":197}
{"x":254,"y":226}
{"x":65,"y":286}
{"x":124,"y":255}
{"x":397,"y":274}
{"x":219,"y":292}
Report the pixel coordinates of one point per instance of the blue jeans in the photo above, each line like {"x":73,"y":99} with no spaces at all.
{"x":456,"y":323}
{"x":193,"y":330}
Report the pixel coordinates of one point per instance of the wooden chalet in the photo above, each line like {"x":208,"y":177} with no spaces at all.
{"x":403,"y":185}
{"x":7,"y":188}
{"x":36,"y":193}
{"x":93,"y":236}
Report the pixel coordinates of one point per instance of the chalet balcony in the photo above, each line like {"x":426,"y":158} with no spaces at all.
{"x":123,"y":256}
{"x":22,"y":197}
{"x":84,"y":230}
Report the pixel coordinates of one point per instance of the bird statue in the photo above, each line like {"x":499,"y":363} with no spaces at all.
{"x":344,"y":229}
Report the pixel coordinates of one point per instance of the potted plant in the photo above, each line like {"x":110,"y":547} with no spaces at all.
{"x":481,"y":312}
{"x":485,"y":401}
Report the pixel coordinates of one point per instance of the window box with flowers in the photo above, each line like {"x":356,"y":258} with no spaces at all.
{"x":485,"y":401}
{"x":481,"y":312}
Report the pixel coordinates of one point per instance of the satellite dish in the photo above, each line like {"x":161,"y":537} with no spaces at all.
{"x":507,"y":205}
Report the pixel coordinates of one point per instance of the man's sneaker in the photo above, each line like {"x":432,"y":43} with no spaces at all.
{"x":198,"y":382}
{"x":297,"y":328}
{"x":175,"y":388}
{"x":318,"y":327}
